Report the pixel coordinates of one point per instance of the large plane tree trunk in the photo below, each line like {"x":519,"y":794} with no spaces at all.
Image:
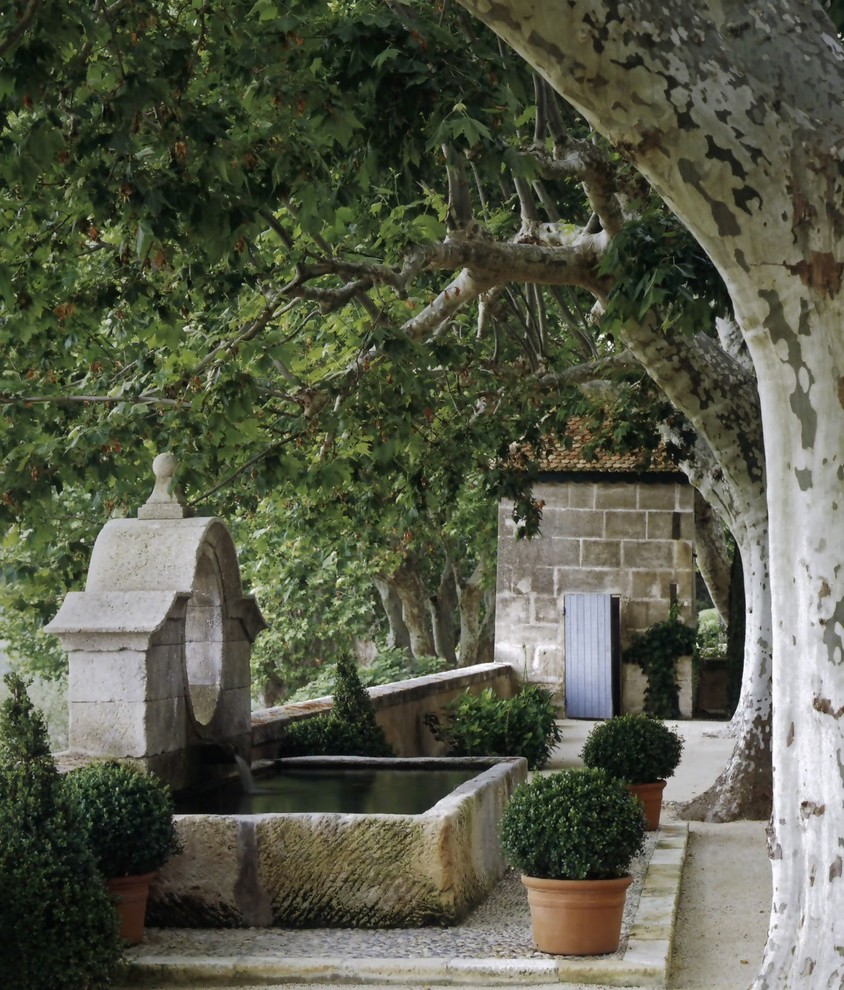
{"x":408,"y":586}
{"x":473,"y":596}
{"x":806,"y":943}
{"x":726,"y":465}
{"x":398,"y":635}
{"x":733,"y":112}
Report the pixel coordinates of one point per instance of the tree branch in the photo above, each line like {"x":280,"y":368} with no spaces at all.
{"x":63,"y":400}
{"x":584,"y":161}
{"x":459,"y":201}
{"x":561,"y":259}
{"x":25,"y":21}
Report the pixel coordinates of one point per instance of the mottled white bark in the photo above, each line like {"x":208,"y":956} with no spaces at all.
{"x":473,"y":596}
{"x":443,"y":607}
{"x":806,"y":939}
{"x":733,"y":112}
{"x":408,"y":586}
{"x":726,"y":464}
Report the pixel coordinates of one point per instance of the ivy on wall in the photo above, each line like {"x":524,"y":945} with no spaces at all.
{"x":656,"y":652}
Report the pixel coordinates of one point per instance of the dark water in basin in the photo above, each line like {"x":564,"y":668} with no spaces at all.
{"x":349,"y":791}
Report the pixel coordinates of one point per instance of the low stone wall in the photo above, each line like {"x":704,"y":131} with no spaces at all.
{"x":399,"y":708}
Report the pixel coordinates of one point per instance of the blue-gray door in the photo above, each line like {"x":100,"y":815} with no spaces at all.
{"x":593,"y":661}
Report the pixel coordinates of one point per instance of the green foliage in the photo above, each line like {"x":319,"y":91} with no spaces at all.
{"x":31,"y":650}
{"x":578,"y":824}
{"x":661,"y":270}
{"x":126,"y":815}
{"x":314,"y":589}
{"x":390,"y":664}
{"x":636,"y":747}
{"x":170,"y":178}
{"x":59,"y":928}
{"x":35,"y":564}
{"x":485,"y":725}
{"x":711,"y":641}
{"x":164,"y":170}
{"x":656,"y":652}
{"x":349,"y":729}
{"x":29,"y":771}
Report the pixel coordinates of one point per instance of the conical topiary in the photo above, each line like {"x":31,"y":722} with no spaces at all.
{"x":59,"y":928}
{"x":349,"y":729}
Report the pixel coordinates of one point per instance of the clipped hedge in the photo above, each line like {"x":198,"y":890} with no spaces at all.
{"x":636,"y":747}
{"x":577,"y":824}
{"x":127,"y":815}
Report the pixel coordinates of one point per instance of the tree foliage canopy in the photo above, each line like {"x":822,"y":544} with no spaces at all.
{"x":224,"y":234}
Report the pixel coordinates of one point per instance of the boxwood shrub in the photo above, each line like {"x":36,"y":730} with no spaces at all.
{"x":577,"y":824}
{"x":349,"y":729}
{"x":636,"y":747}
{"x":127,"y":815}
{"x":485,"y":725}
{"x":59,"y":927}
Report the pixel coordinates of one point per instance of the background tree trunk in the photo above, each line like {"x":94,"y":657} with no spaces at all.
{"x":744,"y":788}
{"x":471,"y":598}
{"x":736,"y":633}
{"x":398,"y":636}
{"x":713,"y":556}
{"x":726,"y":464}
{"x":410,"y":589}
{"x":442,"y":607}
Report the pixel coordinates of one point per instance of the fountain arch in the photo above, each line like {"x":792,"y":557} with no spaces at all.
{"x":159,"y":641}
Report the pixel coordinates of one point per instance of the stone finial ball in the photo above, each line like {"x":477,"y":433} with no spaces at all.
{"x":164,"y":466}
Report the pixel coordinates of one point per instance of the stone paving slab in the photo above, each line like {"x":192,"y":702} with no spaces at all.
{"x":493,"y":946}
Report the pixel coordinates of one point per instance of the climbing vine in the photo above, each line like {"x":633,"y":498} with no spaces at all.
{"x":656,"y":652}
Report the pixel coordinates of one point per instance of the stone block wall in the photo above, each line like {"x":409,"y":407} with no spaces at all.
{"x":631,"y":538}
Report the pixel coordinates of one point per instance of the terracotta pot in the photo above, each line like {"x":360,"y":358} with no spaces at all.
{"x":576,"y":917}
{"x":129,"y":895}
{"x":651,"y":797}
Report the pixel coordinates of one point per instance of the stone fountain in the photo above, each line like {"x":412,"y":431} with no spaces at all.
{"x":159,"y":642}
{"x":159,"y":645}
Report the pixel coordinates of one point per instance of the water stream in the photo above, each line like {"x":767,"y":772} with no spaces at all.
{"x":244,"y":772}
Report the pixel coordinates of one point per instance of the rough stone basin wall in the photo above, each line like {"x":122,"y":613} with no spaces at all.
{"x":342,"y":870}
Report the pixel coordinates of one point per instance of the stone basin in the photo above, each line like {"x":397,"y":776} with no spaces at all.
{"x":342,"y":870}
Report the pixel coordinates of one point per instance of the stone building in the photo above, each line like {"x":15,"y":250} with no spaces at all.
{"x":614,"y":553}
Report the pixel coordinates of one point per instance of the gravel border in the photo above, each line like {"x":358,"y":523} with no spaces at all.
{"x":499,"y":928}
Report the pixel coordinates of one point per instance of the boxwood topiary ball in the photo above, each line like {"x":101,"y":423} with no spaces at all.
{"x":636,"y":747}
{"x":579,"y":824}
{"x":127,"y":816}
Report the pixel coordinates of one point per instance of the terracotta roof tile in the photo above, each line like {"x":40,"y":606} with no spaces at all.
{"x":562,"y":457}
